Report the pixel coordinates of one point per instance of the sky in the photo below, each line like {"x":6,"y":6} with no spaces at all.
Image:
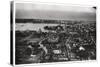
{"x":59,"y":12}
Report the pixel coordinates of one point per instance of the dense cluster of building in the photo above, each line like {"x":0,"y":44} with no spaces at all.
{"x":64,"y":42}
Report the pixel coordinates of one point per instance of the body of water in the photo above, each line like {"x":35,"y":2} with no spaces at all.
{"x":31,"y":26}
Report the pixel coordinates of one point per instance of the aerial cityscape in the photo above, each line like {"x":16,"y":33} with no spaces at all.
{"x":46,"y":33}
{"x":55,"y":42}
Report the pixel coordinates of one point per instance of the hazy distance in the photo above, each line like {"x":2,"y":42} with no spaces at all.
{"x":59,"y":12}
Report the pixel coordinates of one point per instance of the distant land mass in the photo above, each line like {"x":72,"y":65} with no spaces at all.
{"x":50,"y":21}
